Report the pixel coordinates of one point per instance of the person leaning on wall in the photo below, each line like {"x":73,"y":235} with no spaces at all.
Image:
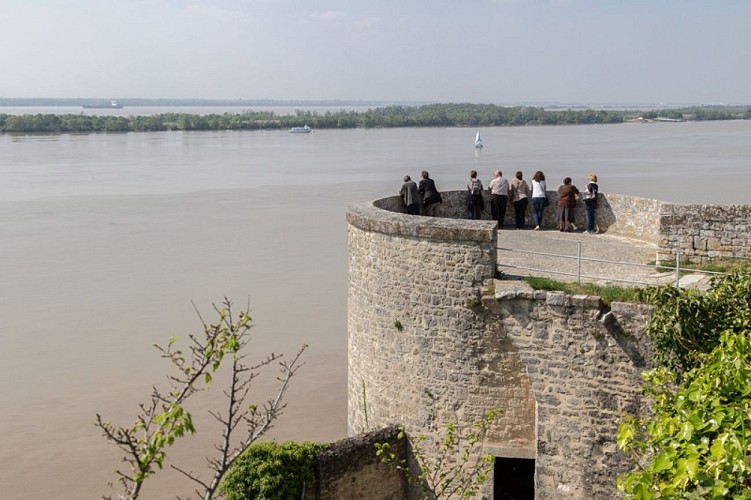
{"x":567,"y":194}
{"x":590,"y":203}
{"x":539,"y":198}
{"x":431,"y":198}
{"x":475,"y":202}
{"x":498,"y":188}
{"x":410,"y":196}
{"x":519,"y":192}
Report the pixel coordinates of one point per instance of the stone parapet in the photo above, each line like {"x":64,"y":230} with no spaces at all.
{"x":706,"y":232}
{"x":699,"y":232}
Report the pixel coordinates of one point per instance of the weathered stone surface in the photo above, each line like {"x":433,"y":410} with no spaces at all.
{"x":426,"y":349}
{"x":351,"y":469}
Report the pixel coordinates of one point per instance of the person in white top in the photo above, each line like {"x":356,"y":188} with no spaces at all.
{"x":539,"y":197}
{"x":498,"y":188}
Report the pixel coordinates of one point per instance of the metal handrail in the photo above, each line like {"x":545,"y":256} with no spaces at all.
{"x":579,"y":259}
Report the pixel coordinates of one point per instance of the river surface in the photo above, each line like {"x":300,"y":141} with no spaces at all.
{"x":107,"y":241}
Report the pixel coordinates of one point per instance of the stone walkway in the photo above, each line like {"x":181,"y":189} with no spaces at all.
{"x":628,"y":262}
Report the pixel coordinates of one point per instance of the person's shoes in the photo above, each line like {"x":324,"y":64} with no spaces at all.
{"x":537,"y":228}
{"x":573,"y":227}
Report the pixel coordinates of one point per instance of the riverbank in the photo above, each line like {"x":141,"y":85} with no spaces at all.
{"x":392,"y":116}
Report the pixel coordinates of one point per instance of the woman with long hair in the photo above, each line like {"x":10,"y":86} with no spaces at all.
{"x":539,"y":197}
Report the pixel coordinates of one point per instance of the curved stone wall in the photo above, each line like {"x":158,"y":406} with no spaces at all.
{"x":426,"y":349}
{"x":414,"y":337}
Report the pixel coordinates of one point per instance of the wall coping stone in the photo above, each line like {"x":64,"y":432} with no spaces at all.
{"x":369,"y":217}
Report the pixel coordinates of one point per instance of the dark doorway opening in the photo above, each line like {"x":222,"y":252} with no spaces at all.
{"x":514,"y":479}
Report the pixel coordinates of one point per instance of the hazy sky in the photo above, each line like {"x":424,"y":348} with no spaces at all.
{"x":495,"y":51}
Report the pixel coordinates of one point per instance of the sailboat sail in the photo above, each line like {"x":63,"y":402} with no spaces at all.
{"x":478,"y":140}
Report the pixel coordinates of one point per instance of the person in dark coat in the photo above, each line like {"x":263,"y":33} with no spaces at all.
{"x":410,"y":196}
{"x":429,"y":194}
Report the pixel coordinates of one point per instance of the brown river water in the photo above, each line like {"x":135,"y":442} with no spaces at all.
{"x":106,"y":241}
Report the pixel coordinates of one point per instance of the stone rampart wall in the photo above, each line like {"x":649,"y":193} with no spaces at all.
{"x":706,"y":232}
{"x":351,"y":469}
{"x":425,"y":350}
{"x":700,"y":232}
{"x":629,"y":216}
{"x":583,"y":363}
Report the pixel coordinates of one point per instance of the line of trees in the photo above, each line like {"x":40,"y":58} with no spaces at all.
{"x":430,"y":115}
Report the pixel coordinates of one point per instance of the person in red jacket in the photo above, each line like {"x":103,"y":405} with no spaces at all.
{"x":567,"y":194}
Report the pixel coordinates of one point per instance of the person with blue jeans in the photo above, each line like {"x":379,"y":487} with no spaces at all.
{"x":590,"y":203}
{"x":539,"y":197}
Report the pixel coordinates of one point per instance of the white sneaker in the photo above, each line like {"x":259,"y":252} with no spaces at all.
{"x":537,"y":228}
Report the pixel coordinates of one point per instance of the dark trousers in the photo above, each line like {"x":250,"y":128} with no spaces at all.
{"x":413,"y":209}
{"x":520,"y":211}
{"x":475,"y":206}
{"x":498,"y":208}
{"x":589,"y":210}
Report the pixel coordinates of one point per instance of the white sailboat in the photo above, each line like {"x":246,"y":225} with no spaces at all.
{"x":478,"y":140}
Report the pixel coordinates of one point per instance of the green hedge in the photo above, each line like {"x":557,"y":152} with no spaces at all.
{"x":272,"y":471}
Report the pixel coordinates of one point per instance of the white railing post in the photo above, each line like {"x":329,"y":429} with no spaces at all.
{"x":579,"y":262}
{"x":677,"y":268}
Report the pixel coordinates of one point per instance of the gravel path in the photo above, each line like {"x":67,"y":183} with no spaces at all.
{"x":616,"y":259}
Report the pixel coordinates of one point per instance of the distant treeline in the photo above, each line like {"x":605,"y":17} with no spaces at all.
{"x":430,"y":115}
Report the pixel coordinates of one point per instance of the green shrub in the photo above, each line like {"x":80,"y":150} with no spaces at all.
{"x":271,"y":471}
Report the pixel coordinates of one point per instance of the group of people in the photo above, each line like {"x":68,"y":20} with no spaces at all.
{"x":503,"y":192}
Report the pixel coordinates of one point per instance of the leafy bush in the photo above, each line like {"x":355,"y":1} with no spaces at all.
{"x":271,"y":471}
{"x":695,"y":445}
{"x":687,"y":323}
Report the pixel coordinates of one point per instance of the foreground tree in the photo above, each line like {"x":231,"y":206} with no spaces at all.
{"x":164,"y":418}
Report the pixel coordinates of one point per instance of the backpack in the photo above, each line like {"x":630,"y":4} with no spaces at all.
{"x":475,"y":188}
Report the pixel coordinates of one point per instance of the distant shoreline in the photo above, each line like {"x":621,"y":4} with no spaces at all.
{"x":188,"y":102}
{"x":338,"y":117}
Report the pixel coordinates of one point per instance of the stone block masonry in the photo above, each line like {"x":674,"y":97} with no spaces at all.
{"x":699,"y":232}
{"x":583,"y":362}
{"x":426,"y":348}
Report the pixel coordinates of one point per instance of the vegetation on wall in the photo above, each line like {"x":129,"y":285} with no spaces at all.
{"x":608,"y":293}
{"x":696,"y":442}
{"x":456,"y":466}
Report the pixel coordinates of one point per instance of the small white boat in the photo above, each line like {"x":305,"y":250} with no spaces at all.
{"x":478,"y":140}
{"x":300,"y":130}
